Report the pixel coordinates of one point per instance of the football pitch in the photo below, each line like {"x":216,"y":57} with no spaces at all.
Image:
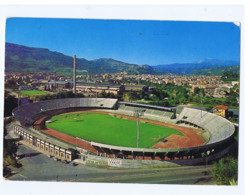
{"x":33,"y":92}
{"x":109,"y":129}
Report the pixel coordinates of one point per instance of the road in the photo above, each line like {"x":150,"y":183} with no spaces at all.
{"x":38,"y":167}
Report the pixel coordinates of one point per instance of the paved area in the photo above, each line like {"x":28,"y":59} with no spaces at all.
{"x":38,"y":167}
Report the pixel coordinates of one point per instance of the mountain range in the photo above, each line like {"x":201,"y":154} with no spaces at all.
{"x":192,"y":68}
{"x":23,"y":58}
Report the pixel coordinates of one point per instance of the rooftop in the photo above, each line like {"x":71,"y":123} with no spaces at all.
{"x":221,"y":107}
{"x":98,"y":84}
{"x":148,"y":106}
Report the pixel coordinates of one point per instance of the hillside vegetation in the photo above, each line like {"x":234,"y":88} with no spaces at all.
{"x":22,"y":58}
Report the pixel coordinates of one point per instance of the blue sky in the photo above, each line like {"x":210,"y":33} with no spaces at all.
{"x":132,"y":41}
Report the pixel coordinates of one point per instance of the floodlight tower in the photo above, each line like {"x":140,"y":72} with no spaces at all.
{"x":74,"y":74}
{"x":87,"y":75}
{"x":201,"y":95}
{"x":87,"y":78}
{"x":18,"y":96}
{"x":55,"y":80}
{"x":137,"y":113}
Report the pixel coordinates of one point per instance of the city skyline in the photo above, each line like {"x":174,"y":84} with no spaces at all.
{"x":132,"y":41}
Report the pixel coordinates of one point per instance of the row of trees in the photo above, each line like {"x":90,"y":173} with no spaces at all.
{"x":10,"y":102}
{"x":9,"y":152}
{"x":230,"y":76}
{"x":172,"y":95}
{"x":225,"y":171}
{"x":10,"y":149}
{"x":161,"y":95}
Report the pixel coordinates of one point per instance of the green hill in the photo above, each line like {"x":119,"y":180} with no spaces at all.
{"x":22,"y":58}
{"x":217,"y":70}
{"x":206,"y":66}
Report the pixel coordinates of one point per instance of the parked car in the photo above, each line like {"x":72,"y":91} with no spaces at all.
{"x":64,"y":161}
{"x":72,"y":163}
{"x":17,"y":157}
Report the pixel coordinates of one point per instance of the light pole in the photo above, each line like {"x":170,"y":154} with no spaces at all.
{"x":55,"y":81}
{"x":137,"y":113}
{"x":18,"y":97}
{"x":201,"y":95}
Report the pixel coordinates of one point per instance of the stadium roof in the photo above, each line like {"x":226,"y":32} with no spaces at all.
{"x":148,"y":106}
{"x":60,"y":82}
{"x":97,"y":84}
{"x":221,"y":107}
{"x":140,"y":86}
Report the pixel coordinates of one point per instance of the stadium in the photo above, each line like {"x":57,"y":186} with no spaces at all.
{"x":106,"y":130}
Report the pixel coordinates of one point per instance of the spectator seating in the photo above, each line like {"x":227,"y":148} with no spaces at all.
{"x":27,"y":113}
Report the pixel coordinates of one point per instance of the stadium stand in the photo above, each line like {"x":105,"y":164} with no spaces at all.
{"x":218,"y":127}
{"x":27,"y":113}
{"x":158,"y":113}
{"x":217,"y":131}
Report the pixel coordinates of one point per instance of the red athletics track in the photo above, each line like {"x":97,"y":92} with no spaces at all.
{"x":72,"y":140}
{"x":190,"y":138}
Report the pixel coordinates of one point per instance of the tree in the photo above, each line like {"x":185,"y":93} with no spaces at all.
{"x":69,"y":94}
{"x":10,"y":148}
{"x":130,"y":96}
{"x":12,"y":161}
{"x":12,"y":83}
{"x":80,"y":95}
{"x":6,"y":171}
{"x":225,"y":171}
{"x":230,"y":76}
{"x":197,"y":90}
{"x":10,"y":102}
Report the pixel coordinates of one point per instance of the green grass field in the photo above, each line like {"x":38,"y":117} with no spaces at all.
{"x":33,"y":92}
{"x":107,"y":129}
